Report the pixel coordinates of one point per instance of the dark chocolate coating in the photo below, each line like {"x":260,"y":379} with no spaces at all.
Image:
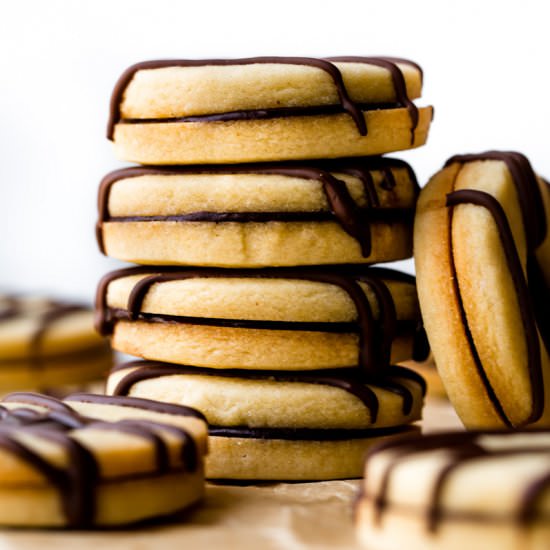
{"x":375,"y":337}
{"x":353,"y":219}
{"x":327,"y":65}
{"x":77,"y":483}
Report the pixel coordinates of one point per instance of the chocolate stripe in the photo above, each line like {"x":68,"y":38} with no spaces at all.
{"x":527,"y":189}
{"x":384,"y":215}
{"x":305,"y":434}
{"x":264,"y":114}
{"x":398,"y":80}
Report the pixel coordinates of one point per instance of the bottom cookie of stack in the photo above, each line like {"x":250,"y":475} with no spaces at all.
{"x":280,"y":425}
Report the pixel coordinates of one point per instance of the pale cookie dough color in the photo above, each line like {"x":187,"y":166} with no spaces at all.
{"x":482,"y":260}
{"x":266,"y":109}
{"x":49,"y":345}
{"x":289,"y":425}
{"x":346,"y":211}
{"x":452,"y":491}
{"x":97,"y":461}
{"x":274,"y":319}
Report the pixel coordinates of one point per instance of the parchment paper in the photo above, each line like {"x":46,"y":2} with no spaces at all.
{"x":287,"y":516}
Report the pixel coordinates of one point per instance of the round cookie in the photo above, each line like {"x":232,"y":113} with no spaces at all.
{"x":266,"y":109}
{"x":48,"y":345}
{"x":289,"y":425}
{"x":97,"y":461}
{"x":446,"y":492}
{"x":346,"y":211}
{"x":481,"y":253}
{"x":278,"y":319}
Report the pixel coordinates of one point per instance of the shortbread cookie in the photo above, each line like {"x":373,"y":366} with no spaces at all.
{"x":451,"y":491}
{"x":266,"y":109}
{"x":281,"y":319}
{"x":47,"y":344}
{"x":347,"y":211}
{"x":94,"y":460}
{"x":342,"y":410}
{"x":481,"y":252}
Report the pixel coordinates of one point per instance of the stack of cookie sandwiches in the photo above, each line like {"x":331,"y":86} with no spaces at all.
{"x":49,"y":345}
{"x":257,"y":209}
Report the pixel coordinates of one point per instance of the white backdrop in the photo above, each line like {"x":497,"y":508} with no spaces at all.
{"x":486,"y":64}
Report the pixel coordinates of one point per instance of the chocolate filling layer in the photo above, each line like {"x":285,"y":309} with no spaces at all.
{"x":306,"y":434}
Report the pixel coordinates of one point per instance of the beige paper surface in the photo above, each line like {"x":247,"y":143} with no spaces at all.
{"x":289,"y":516}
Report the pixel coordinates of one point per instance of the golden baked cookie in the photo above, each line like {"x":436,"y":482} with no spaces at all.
{"x":293,"y":415}
{"x":482,"y":258}
{"x":346,"y":211}
{"x":93,"y":460}
{"x":47,"y":345}
{"x":280,"y":319}
{"x":266,"y":109}
{"x":458,"y":490}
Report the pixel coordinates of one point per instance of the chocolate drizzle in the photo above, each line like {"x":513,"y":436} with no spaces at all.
{"x":375,"y":338}
{"x":462,"y":448}
{"x":306,"y":434}
{"x":78,"y":480}
{"x":353,"y":219}
{"x":350,"y":380}
{"x":530,"y":293}
{"x":527,"y":189}
{"x":353,"y":109}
